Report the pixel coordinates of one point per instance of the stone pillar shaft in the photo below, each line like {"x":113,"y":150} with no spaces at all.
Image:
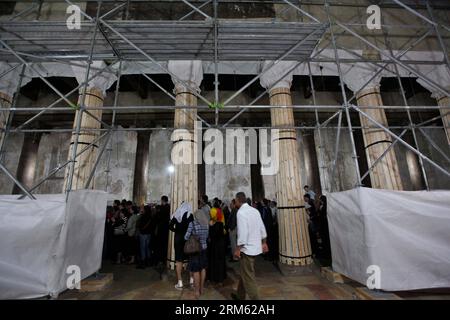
{"x":445,"y":102}
{"x":27,"y":161}
{"x":141,"y":168}
{"x":9,"y":84}
{"x":294,"y":243}
{"x":85,"y":162}
{"x":184,"y":187}
{"x":385,"y":174}
{"x":93,"y":98}
{"x":184,"y":183}
{"x":440,"y":74}
{"x":5,"y":102}
{"x":311,"y":162}
{"x":185,"y":176}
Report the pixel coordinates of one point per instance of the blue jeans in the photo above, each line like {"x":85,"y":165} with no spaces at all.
{"x":144,"y":244}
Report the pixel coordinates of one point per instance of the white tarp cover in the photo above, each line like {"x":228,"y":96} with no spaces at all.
{"x":405,"y":233}
{"x":40,"y":238}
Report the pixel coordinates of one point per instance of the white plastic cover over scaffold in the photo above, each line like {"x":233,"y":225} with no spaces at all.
{"x":405,"y":233}
{"x":40,"y":238}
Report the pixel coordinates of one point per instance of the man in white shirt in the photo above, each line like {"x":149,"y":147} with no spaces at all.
{"x":251,"y":241}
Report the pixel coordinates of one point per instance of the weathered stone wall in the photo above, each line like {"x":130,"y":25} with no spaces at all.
{"x":344,"y":176}
{"x":159,"y":176}
{"x":52,"y":152}
{"x":225,"y":180}
{"x":119,"y":180}
{"x":436,"y":179}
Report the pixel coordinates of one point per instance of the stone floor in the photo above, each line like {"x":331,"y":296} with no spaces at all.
{"x":274,"y":284}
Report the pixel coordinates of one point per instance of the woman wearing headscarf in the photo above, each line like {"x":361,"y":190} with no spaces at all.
{"x":199,"y":262}
{"x":179,"y":223}
{"x":217,"y":250}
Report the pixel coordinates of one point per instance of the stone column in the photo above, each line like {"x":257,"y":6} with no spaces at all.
{"x":141,"y":168}
{"x":189,"y":75}
{"x":5,"y":102}
{"x":93,"y":98}
{"x":385,"y":174}
{"x":308,"y":154}
{"x":444,"y":101}
{"x":294,"y":243}
{"x":27,"y":161}
{"x":8,"y":86}
{"x":441,"y":75}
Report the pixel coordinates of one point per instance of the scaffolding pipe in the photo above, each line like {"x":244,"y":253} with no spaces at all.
{"x":344,"y":97}
{"x":327,"y":108}
{"x":411,"y":123}
{"x":82,"y":106}
{"x":382,"y":155}
{"x":56,"y":169}
{"x":11,"y":112}
{"x":11,"y":176}
{"x":407,"y":145}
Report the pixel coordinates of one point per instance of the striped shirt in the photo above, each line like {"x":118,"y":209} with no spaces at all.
{"x":197,"y":229}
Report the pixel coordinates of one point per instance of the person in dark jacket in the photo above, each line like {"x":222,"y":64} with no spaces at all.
{"x":275,"y":249}
{"x":162,"y":231}
{"x":108,"y":252}
{"x":267,"y":219}
{"x":145,"y":226}
{"x":313,"y":224}
{"x":226,"y":213}
{"x":232,"y":229}
{"x":217,"y":251}
{"x":324,"y":232}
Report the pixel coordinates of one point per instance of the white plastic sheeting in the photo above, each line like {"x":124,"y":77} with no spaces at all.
{"x":405,"y":233}
{"x":40,"y":238}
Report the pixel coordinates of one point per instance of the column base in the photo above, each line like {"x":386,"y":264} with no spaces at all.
{"x":292,"y":270}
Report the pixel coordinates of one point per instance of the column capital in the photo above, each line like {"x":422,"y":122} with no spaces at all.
{"x":101,"y":82}
{"x":439,"y":74}
{"x":188,"y":73}
{"x":358,"y":75}
{"x":273,"y":74}
{"x":9,"y":82}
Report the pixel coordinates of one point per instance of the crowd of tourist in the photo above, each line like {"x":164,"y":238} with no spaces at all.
{"x":318,"y":226}
{"x":139,"y":235}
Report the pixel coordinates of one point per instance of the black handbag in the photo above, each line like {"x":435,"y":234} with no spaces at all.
{"x":192,"y":246}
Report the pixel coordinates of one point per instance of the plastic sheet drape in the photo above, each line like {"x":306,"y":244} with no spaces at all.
{"x":406,"y":234}
{"x":40,"y":239}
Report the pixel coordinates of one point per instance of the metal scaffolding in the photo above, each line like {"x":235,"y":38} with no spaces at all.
{"x":112,"y":37}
